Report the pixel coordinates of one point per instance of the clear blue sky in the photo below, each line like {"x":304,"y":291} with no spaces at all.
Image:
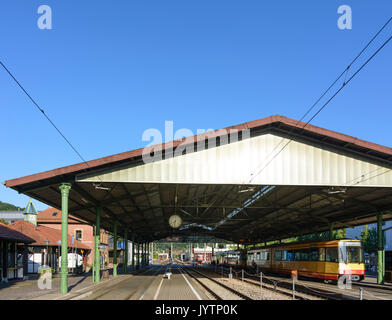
{"x":107,"y":71}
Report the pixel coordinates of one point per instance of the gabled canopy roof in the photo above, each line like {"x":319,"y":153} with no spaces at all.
{"x":8,"y":234}
{"x":232,"y":210}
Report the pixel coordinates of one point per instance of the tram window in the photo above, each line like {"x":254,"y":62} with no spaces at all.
{"x":314,"y":254}
{"x":290,"y":255}
{"x":331,"y":254}
{"x":265,"y":255}
{"x":298,"y":255}
{"x":354,"y":255}
{"x":284,"y":255}
{"x":321,"y":254}
{"x":258,"y":256}
{"x":304,"y":255}
{"x":278,"y":255}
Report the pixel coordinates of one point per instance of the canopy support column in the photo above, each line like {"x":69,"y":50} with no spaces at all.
{"x":115,"y":249}
{"x":144,"y":254}
{"x":331,"y":225}
{"x":148,"y":254}
{"x":380,"y":250}
{"x":25,"y":262}
{"x":133,"y":254}
{"x":125,"y":263}
{"x":64,"y":188}
{"x":97,"y":243}
{"x":5,"y":262}
{"x":138,"y":257}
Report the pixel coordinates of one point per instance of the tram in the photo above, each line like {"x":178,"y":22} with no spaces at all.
{"x":327,"y":260}
{"x":232,"y":258}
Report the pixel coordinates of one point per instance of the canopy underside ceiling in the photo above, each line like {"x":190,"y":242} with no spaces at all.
{"x":242,"y":190}
{"x":282,"y":211}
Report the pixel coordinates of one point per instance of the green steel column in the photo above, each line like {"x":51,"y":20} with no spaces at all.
{"x":138,"y":256}
{"x":143,"y":254}
{"x":115,"y":249}
{"x":93,"y":268}
{"x":97,"y":243}
{"x":331,"y":231}
{"x":126,"y":250}
{"x":133,"y":255}
{"x":64,"y":188}
{"x":380,"y":251}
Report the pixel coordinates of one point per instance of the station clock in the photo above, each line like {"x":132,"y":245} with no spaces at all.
{"x":175,"y":221}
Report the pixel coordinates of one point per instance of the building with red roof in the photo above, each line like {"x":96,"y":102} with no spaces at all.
{"x":13,"y":253}
{"x":45,"y":247}
{"x":77,"y":228}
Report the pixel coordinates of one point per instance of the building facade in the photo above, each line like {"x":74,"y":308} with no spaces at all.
{"x":80,"y":231}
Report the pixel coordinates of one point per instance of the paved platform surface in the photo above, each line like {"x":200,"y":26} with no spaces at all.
{"x":28,"y":289}
{"x":127,"y":288}
{"x":180,"y":286}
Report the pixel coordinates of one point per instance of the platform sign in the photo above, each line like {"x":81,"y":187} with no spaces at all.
{"x":173,"y":239}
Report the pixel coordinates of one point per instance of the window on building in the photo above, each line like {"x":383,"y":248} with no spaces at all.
{"x":78,"y":235}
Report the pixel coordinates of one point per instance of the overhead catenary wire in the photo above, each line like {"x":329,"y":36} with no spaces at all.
{"x":324,"y":93}
{"x":44,"y":114}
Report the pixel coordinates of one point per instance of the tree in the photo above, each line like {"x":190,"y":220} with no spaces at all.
{"x":9,"y":207}
{"x":3,"y":221}
{"x":336,"y":234}
{"x":369,"y":239}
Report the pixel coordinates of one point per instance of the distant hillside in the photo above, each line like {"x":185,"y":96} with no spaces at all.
{"x":4,"y":206}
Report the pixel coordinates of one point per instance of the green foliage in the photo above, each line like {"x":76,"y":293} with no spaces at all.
{"x":369,"y":239}
{"x":9,"y":207}
{"x":3,"y":221}
{"x":323,"y":236}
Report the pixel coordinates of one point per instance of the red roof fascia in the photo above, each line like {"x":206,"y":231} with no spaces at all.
{"x":247,"y":125}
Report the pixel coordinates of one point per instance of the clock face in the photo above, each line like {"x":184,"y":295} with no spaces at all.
{"x":175,"y":221}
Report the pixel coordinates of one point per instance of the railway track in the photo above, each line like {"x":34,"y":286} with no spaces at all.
{"x":191,"y":272}
{"x":309,"y":291}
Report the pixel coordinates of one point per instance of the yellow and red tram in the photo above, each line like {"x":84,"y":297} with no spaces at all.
{"x":324,"y":259}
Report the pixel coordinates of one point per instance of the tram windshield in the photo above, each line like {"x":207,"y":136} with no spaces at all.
{"x":354,"y":255}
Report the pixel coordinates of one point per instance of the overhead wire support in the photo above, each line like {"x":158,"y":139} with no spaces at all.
{"x":326,"y":91}
{"x":45,"y":115}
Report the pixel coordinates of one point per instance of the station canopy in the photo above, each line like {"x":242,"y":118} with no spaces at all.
{"x":262,"y":180}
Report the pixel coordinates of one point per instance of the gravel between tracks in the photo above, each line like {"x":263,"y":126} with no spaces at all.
{"x":251,"y":290}
{"x":247,"y":289}
{"x":221,"y":292}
